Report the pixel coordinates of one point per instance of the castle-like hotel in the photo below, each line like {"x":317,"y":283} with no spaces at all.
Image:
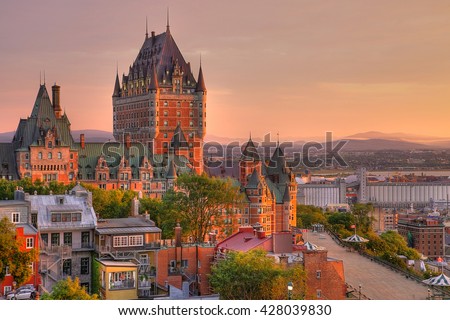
{"x":159,"y":123}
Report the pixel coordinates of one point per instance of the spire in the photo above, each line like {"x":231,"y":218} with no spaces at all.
{"x":171,"y":172}
{"x":153,"y":86}
{"x":116,"y":92}
{"x":146,"y":28}
{"x":168,"y":25}
{"x":178,"y":139}
{"x":250,"y":152}
{"x":201,"y":81}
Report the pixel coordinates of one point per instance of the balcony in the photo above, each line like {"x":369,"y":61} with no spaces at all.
{"x":122,"y":284}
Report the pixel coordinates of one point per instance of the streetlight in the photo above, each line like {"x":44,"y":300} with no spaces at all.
{"x":359,"y":291}
{"x":290,"y":287}
{"x":429,"y":294}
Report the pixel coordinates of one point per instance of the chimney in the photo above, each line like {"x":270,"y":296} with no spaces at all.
{"x":127,"y":141}
{"x":261,"y":234}
{"x":135,"y":207}
{"x":19,"y":194}
{"x":82,"y":141}
{"x":178,"y":230}
{"x":56,"y":100}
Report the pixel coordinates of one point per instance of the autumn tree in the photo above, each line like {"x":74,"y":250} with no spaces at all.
{"x":201,"y":201}
{"x":255,"y":276}
{"x":68,"y":289}
{"x":11,"y":256}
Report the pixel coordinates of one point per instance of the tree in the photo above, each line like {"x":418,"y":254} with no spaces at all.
{"x":11,"y":256}
{"x":255,"y":276}
{"x":68,"y":289}
{"x":363,"y":220}
{"x":201,"y":201}
{"x":308,"y":215}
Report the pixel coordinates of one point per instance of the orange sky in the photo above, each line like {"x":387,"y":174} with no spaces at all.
{"x":299,"y":67}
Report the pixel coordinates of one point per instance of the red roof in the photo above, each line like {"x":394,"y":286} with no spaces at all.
{"x":246,"y":239}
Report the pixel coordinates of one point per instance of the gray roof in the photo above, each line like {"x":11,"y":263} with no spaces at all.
{"x":32,"y":130}
{"x":45,"y":204}
{"x":28,"y":229}
{"x":138,"y":224}
{"x":8,"y":161}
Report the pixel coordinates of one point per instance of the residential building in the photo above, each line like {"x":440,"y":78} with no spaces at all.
{"x":18,"y":212}
{"x":66,"y":228}
{"x":325,"y":275}
{"x":126,"y":249}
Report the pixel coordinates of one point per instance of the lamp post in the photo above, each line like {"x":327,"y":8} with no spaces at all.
{"x":359,"y":291}
{"x":290,"y":287}
{"x":429,"y":294}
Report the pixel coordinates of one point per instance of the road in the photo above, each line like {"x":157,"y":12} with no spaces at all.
{"x":377,"y":282}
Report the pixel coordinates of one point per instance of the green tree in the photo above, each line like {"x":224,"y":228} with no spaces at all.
{"x":68,"y":289}
{"x":362,"y":219}
{"x":200,"y":202}
{"x":11,"y":256}
{"x":397,"y":245}
{"x":308,"y":215}
{"x":255,"y":276}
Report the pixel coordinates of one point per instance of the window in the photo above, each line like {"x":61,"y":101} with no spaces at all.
{"x":55,"y":239}
{"x":135,"y":241}
{"x":44,"y":238}
{"x":85,"y":239}
{"x":7,"y":271}
{"x":68,"y":239}
{"x":120,"y":241}
{"x":40,"y":155}
{"x":6,"y":289}
{"x":15,"y":217}
{"x":318,"y":274}
{"x":49,"y":156}
{"x":59,"y":155}
{"x":84,"y":266}
{"x":184,"y":263}
{"x":67,"y":267}
{"x":30,"y":243}
{"x":319,"y":293}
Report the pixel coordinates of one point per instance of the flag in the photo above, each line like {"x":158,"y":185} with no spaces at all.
{"x":352,"y":226}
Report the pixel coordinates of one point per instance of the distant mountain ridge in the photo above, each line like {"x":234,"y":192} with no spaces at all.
{"x":89,"y":134}
{"x":365,"y":141}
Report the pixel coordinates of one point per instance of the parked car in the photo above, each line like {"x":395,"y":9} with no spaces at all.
{"x":22,"y":294}
{"x":26,"y":286}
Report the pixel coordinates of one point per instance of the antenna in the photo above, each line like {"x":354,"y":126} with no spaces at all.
{"x":168,"y":25}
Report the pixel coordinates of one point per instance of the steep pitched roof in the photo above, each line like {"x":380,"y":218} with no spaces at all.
{"x":171,"y":172}
{"x":42,"y":119}
{"x":116,"y":92}
{"x":250,"y":152}
{"x":8,"y":161}
{"x":162,"y":51}
{"x":254,"y":181}
{"x":201,"y":87}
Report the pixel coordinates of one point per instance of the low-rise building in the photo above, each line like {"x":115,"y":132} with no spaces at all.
{"x":66,"y":227}
{"x":18,"y":212}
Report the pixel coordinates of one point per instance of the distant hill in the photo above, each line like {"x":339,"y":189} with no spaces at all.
{"x":90,"y":135}
{"x":391,"y":136}
{"x":385,"y":144}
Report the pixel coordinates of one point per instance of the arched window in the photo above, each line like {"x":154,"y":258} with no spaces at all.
{"x":40,"y":155}
{"x":49,"y":156}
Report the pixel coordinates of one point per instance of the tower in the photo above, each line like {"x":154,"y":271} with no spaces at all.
{"x":159,"y":97}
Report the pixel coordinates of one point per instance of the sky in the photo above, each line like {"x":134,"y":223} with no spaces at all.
{"x":297,"y":67}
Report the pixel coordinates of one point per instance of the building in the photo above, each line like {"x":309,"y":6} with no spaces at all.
{"x":425,"y":234}
{"x":159,"y":103}
{"x":126,"y":250}
{"x":325,"y":276}
{"x":185,"y":265}
{"x":269,"y":190}
{"x":18,"y":211}
{"x":66,"y":228}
